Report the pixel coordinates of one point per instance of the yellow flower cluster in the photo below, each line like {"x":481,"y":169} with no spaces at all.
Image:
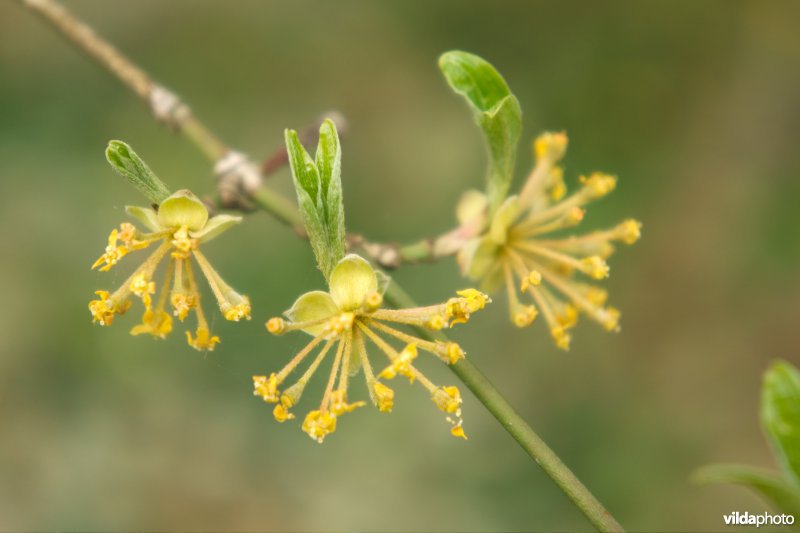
{"x":181,"y":224}
{"x":347,"y":317}
{"x":526,"y":246}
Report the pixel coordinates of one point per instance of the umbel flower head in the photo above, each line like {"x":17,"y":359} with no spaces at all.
{"x":527,"y":246}
{"x":177,"y":228}
{"x":343,"y":321}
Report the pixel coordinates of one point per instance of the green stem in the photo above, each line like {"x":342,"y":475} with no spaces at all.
{"x":180,"y":119}
{"x":279,"y":207}
{"x":516,"y":426}
{"x":203,"y":138}
{"x":418,"y":251}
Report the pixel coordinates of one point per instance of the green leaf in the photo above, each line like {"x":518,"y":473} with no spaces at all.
{"x":497,"y":112}
{"x":780,"y":415}
{"x":125,"y":161}
{"x":329,"y":164}
{"x":783,"y":495}
{"x":319,"y":194}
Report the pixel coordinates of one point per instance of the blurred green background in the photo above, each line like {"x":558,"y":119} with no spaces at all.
{"x":693,"y":104}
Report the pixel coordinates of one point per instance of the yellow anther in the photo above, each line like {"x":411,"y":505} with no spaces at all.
{"x":157,"y":323}
{"x":319,"y":424}
{"x":402,"y":364}
{"x":452,"y":352}
{"x":127,"y":233}
{"x":373,"y":302}
{"x":475,"y":300}
{"x":629,"y":231}
{"x":609,"y":318}
{"x":112,"y":254}
{"x":182,"y":303}
{"x":596,"y":295}
{"x":341,"y":323}
{"x":598,"y":184}
{"x":458,"y":431}
{"x":533,"y":279}
{"x":266,"y":387}
{"x":276,"y":325}
{"x":574,"y":215}
{"x":339,"y":403}
{"x":558,"y":188}
{"x":384,"y":397}
{"x":182,"y":243}
{"x":142,"y":287}
{"x":456,"y":312}
{"x":104,"y":309}
{"x":568,"y":317}
{"x":237,"y":312}
{"x":560,"y":337}
{"x":203,"y":341}
{"x":448,"y":399}
{"x":281,"y":413}
{"x":550,"y":146}
{"x":595,"y":267}
{"x":524,"y":315}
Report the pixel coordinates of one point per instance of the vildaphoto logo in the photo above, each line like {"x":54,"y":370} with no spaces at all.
{"x":765,"y":519}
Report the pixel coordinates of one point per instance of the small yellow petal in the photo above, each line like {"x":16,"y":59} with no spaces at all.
{"x":598,"y":184}
{"x":595,"y":267}
{"x":524,"y":315}
{"x":448,"y":399}
{"x":384,"y":397}
{"x":629,"y":231}
{"x":550,"y":146}
{"x":266,"y":387}
{"x":203,"y":340}
{"x":281,"y":413}
{"x":458,"y":431}
{"x":319,"y":424}
{"x":339,"y":403}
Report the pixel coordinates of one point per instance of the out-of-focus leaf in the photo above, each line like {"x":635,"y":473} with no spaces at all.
{"x":497,"y":112}
{"x":782,"y":494}
{"x":780,"y":415}
{"x":125,"y":161}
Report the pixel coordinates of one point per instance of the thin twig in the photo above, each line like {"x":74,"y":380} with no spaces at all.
{"x":238,"y":178}
{"x":392,"y":255}
{"x":236,"y":167}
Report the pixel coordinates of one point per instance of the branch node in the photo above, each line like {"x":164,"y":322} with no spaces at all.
{"x":167,"y":107}
{"x":237,"y":179}
{"x":386,"y":255}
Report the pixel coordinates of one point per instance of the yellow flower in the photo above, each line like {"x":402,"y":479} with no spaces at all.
{"x":180,"y":225}
{"x":525,"y":245}
{"x":347,"y":317}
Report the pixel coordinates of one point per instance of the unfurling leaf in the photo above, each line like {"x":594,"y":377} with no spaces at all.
{"x":780,"y":415}
{"x":125,"y":161}
{"x":319,"y":194}
{"x":782,"y":494}
{"x":497,"y":112}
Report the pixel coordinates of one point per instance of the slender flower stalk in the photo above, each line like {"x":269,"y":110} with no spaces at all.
{"x":349,"y":317}
{"x":181,"y":224}
{"x":527,"y":246}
